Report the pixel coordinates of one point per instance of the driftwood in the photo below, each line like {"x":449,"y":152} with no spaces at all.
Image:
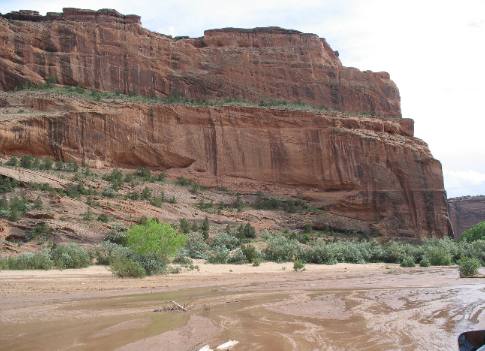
{"x":173,"y":307}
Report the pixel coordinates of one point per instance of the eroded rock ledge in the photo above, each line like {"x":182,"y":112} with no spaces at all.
{"x":366,"y":174}
{"x":107,"y":51}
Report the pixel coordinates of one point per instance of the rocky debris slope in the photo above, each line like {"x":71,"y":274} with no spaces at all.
{"x":366,"y":174}
{"x":465,"y":212}
{"x":107,"y":51}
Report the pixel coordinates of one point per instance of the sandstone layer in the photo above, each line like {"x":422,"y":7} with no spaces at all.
{"x":105,"y":50}
{"x":366,"y":174}
{"x":465,"y":212}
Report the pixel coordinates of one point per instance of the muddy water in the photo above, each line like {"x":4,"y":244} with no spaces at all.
{"x":263,"y":316}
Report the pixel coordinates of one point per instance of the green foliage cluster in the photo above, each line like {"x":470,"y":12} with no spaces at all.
{"x":14,"y":208}
{"x":77,"y":91}
{"x":7,"y":184}
{"x":32,"y":162}
{"x":477,"y":232}
{"x":282,"y":248}
{"x":60,"y":256}
{"x":289,"y":205}
{"x":194,"y":187}
{"x":469,"y":266}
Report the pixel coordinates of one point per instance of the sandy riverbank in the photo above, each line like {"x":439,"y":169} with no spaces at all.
{"x":270,"y":307}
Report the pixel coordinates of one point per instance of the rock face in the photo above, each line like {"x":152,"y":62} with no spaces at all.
{"x":105,"y":50}
{"x":366,"y":174}
{"x":465,"y":212}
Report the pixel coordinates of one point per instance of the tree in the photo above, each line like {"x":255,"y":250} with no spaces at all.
{"x":477,"y":232}
{"x":205,"y":228}
{"x":154,"y":238}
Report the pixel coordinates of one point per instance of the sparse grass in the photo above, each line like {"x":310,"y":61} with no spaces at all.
{"x":78,"y":92}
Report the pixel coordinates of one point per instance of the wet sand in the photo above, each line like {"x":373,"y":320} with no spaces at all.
{"x":341,"y":307}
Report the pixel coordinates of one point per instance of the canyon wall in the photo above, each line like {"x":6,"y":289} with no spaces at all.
{"x":366,"y":174}
{"x":105,"y":50}
{"x":465,"y":212}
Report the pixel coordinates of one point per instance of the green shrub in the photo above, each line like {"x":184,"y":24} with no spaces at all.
{"x":7,"y":184}
{"x":117,"y":235}
{"x":38,"y":260}
{"x":408,"y":261}
{"x":184,"y":226}
{"x":155,"y":239}
{"x":183,"y":181}
{"x":298,"y":265}
{"x":280,"y":249}
{"x":425,"y":262}
{"x":320,"y":253}
{"x":477,"y":232}
{"x":237,"y":256}
{"x":70,"y":256}
{"x":115,"y":178}
{"x":289,"y":205}
{"x":144,"y":173}
{"x":109,"y":192}
{"x":438,"y":256}
{"x":251,"y":253}
{"x":196,"y":247}
{"x":218,"y":254}
{"x":475,"y":249}
{"x":103,"y":218}
{"x":204,"y":228}
{"x":125,"y":267}
{"x":468,"y":267}
{"x":41,"y":231}
{"x":225,"y":240}
{"x":246,"y":231}
{"x":13,"y":162}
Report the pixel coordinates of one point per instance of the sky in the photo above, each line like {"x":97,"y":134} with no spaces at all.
{"x":433,"y":49}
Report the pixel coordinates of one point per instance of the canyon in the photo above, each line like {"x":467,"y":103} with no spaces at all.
{"x":351,"y":155}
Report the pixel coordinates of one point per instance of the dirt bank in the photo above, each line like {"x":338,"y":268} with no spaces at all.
{"x":270,"y":307}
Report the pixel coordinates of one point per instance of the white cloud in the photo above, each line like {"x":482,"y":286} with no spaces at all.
{"x":433,"y":49}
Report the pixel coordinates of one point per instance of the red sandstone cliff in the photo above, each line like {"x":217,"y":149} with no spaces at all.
{"x":367,"y":174}
{"x":105,"y":50}
{"x":465,"y":212}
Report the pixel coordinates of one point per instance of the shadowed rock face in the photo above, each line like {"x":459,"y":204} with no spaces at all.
{"x":108,"y":51}
{"x":465,"y":212}
{"x":367,"y":174}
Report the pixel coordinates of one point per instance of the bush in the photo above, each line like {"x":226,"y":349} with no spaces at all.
{"x":117,"y":235}
{"x":408,"y":261}
{"x":184,"y":226}
{"x":103,"y":218}
{"x":155,"y":239}
{"x":125,"y":267}
{"x":477,"y":232}
{"x":40,"y":231}
{"x":281,"y":249}
{"x":70,"y":256}
{"x":237,"y":256}
{"x":196,"y":247}
{"x":225,"y":240}
{"x":246,"y":231}
{"x":251,"y":253}
{"x":38,"y":260}
{"x":298,"y":265}
{"x":425,"y":262}
{"x":438,"y":256}
{"x":144,"y":173}
{"x":468,"y":267}
{"x":204,"y":228}
{"x":218,"y":254}
{"x":320,"y":253}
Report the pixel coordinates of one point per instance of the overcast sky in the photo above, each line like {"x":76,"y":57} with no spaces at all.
{"x":433,"y":49}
